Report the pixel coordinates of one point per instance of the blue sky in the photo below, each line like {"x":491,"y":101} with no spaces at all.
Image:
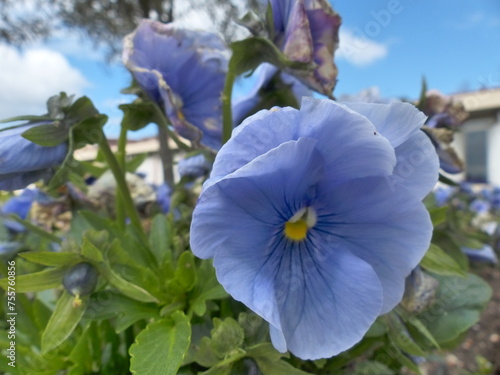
{"x":387,"y":44}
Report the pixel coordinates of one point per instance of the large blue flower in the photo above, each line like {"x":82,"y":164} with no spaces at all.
{"x":23,"y":162}
{"x":184,"y":71}
{"x":314,"y":218}
{"x":307,"y":31}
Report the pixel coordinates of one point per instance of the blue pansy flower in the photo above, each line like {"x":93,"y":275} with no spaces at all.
{"x":19,"y":205}
{"x":163,"y":197}
{"x":442,"y":195}
{"x":184,"y":71}
{"x":307,"y":31}
{"x":314,"y":219}
{"x":246,"y":104}
{"x":480,"y":206}
{"x":194,"y":166}
{"x":23,"y":162}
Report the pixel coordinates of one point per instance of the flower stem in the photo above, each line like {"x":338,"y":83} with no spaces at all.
{"x":122,"y":186}
{"x":227,"y":117}
{"x":119,"y":205}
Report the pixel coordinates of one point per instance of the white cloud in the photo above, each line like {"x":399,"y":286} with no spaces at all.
{"x":358,"y":50}
{"x":477,"y":19}
{"x":28,"y":78}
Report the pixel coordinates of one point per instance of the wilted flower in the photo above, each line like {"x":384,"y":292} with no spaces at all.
{"x":314,"y":218}
{"x":307,"y":31}
{"x":19,"y":205}
{"x":184,"y":71}
{"x":23,"y":162}
{"x":264,"y":90}
{"x":449,"y":161}
{"x":443,"y":112}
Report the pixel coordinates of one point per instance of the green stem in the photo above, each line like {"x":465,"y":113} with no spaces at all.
{"x":166,"y":154}
{"x":119,"y":205}
{"x":227,"y":117}
{"x":36,"y":229}
{"x":122,"y":186}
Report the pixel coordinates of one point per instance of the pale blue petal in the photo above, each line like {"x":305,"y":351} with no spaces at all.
{"x":346,"y":140}
{"x":19,"y":180}
{"x":327,"y":298}
{"x":396,"y":121}
{"x":255,"y":136}
{"x":388,"y":228}
{"x":417,"y":167}
{"x":17,"y":154}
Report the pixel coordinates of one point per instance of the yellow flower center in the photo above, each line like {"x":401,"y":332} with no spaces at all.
{"x":297,"y":226}
{"x":296,"y":231}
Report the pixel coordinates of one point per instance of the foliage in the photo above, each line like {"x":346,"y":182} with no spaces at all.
{"x":102,"y":277}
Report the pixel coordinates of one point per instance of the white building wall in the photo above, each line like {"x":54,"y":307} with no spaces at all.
{"x":492,"y":126}
{"x":494,"y":152}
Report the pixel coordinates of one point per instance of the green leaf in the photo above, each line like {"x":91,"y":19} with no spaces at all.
{"x":89,"y":130}
{"x":371,"y":368}
{"x":81,"y":109}
{"x":137,"y":115}
{"x":160,"y":238}
{"x":63,"y":321}
{"x":457,"y":306}
{"x":160,"y":348}
{"x":185,"y":273}
{"x":438,"y":262}
{"x":420,"y":327}
{"x":438,"y":215}
{"x":127,"y":288}
{"x":249,"y":53}
{"x":48,"y":135}
{"x":109,"y":304}
{"x":401,"y":338}
{"x":48,"y":258}
{"x":270,"y":362}
{"x":37,"y":281}
{"x":36,"y":229}
{"x":207,"y":289}
{"x":135,"y":162}
{"x":377,"y":329}
{"x":446,"y":180}
{"x":91,"y":252}
{"x":227,"y":336}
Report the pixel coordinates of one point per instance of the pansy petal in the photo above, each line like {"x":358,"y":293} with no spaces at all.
{"x":388,"y":228}
{"x":417,"y":165}
{"x":19,"y":180}
{"x":396,"y":121}
{"x":322,"y":300}
{"x":266,"y":130}
{"x":346,"y":140}
{"x":17,"y":154}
